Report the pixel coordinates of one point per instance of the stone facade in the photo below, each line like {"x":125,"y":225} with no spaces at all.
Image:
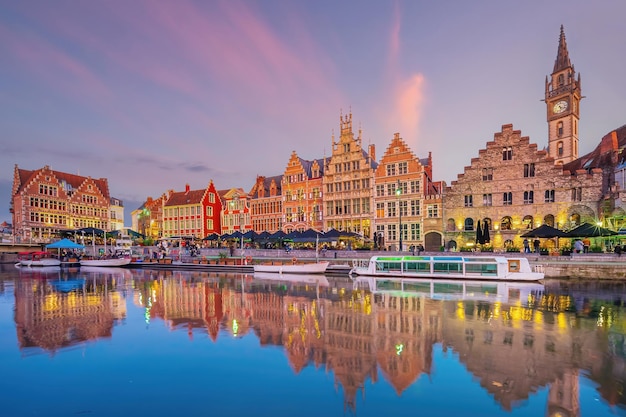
{"x":512,"y":187}
{"x":348,"y":183}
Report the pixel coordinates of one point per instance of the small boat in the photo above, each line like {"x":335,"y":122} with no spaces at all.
{"x":106,"y":262}
{"x":481,"y":267}
{"x":451,"y":289}
{"x":68,"y":285}
{"x":293,"y":268}
{"x":37,"y":259}
{"x":316,"y":279}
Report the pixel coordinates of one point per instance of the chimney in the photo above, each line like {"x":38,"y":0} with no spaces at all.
{"x":186,"y":188}
{"x":371,"y":150}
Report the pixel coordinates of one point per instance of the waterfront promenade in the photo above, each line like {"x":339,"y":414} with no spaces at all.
{"x":593,"y":266}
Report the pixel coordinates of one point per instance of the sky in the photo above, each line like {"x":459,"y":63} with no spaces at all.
{"x":157,"y":94}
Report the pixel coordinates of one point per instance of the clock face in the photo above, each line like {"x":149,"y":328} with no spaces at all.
{"x":560,"y":106}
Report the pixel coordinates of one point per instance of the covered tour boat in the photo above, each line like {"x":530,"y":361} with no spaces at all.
{"x":481,"y":267}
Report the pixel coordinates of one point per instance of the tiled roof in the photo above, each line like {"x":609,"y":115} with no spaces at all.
{"x":183,"y":198}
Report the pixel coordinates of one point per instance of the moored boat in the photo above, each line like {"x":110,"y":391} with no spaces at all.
{"x":316,"y":279}
{"x":293,"y":268}
{"x":37,"y":259}
{"x":480,"y":267}
{"x":106,"y":262}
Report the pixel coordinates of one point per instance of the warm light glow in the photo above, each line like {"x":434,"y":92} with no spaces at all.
{"x":399,"y":349}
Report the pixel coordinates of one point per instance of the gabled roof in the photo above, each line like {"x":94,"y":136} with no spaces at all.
{"x":74,"y":181}
{"x":308,"y":166}
{"x":602,"y":155}
{"x":183,"y":198}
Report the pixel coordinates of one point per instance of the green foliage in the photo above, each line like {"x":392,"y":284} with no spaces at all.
{"x":223,"y":255}
{"x":595,"y":249}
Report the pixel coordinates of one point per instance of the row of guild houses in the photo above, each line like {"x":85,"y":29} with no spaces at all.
{"x":512,"y":186}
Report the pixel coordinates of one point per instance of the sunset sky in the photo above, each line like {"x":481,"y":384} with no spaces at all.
{"x":155,"y":94}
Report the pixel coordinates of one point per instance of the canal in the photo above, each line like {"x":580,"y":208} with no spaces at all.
{"x":111,"y":341}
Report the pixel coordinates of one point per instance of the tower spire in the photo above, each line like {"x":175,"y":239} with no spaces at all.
{"x":562,"y":56}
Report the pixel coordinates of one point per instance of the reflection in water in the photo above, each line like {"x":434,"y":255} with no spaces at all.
{"x":513,"y":338}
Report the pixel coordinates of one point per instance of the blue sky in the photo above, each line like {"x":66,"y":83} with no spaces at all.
{"x":154,"y":94}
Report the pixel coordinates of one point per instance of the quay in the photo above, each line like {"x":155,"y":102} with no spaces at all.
{"x":577,"y":266}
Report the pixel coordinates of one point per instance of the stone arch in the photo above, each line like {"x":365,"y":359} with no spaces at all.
{"x":528,"y":222}
{"x":548,"y":219}
{"x":581,"y":213}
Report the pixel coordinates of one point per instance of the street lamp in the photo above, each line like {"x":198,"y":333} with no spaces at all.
{"x":399,"y":193}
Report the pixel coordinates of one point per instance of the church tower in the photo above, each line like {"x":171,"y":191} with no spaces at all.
{"x":562,"y":99}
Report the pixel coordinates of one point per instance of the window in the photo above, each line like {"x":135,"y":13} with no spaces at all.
{"x":469,"y":201}
{"x":403,"y":207}
{"x":559,"y":149}
{"x":432,"y":210}
{"x":505,"y":223}
{"x":391,"y":209}
{"x":415,"y":187}
{"x":402,"y":168}
{"x":507,"y":198}
{"x":527,"y":222}
{"x":391,"y":232}
{"x":507,"y":153}
{"x":391,"y":188}
{"x":487,"y":174}
{"x":391,"y":169}
{"x":468,"y":225}
{"x":415,"y":231}
{"x":380,"y":210}
{"x":577,"y":194}
{"x":559,"y":129}
{"x":529,"y":170}
{"x":415,"y":208}
{"x":549,"y":197}
{"x":487,"y":200}
{"x":529,"y":197}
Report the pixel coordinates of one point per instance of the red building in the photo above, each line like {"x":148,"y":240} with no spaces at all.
{"x":192,"y":213}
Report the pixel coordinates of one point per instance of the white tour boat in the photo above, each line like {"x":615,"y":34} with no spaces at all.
{"x":37,"y":259}
{"x":478,"y":267}
{"x":106,"y":262}
{"x":292,"y":268}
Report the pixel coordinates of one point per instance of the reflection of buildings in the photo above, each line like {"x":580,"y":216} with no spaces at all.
{"x":51,"y":319}
{"x":513,"y":349}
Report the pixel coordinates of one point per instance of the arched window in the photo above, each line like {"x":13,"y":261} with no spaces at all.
{"x":561,"y":80}
{"x":508,"y":244}
{"x":469,"y":224}
{"x":450,"y":225}
{"x":559,"y":129}
{"x":506,"y":223}
{"x":559,"y":149}
{"x":507,"y":153}
{"x":527,"y":222}
{"x":574,"y":219}
{"x":549,"y":220}
{"x":487,"y":224}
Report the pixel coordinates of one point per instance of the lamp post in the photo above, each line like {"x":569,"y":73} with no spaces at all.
{"x":399,"y":193}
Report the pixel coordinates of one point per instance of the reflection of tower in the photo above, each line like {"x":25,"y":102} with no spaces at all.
{"x":563,"y":396}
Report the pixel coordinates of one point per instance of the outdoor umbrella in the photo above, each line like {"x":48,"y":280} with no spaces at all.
{"x":545,"y":231}
{"x":65,"y":244}
{"x":486,"y":236}
{"x":212,"y":236}
{"x":590,"y":230}
{"x":479,"y":233}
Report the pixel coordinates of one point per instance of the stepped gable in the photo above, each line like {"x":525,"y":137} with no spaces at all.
{"x":25,"y":176}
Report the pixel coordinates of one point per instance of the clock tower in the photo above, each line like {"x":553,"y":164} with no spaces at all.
{"x":563,"y":107}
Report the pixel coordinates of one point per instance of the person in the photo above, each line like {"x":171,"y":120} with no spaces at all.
{"x":586,"y":244}
{"x":536,"y":245}
{"x":420,"y":249}
{"x":618,"y":250}
{"x":578,"y":246}
{"x":526,"y":246}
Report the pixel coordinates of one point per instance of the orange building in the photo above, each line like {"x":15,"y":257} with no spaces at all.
{"x":148,"y":218}
{"x":401,"y":183}
{"x":266,"y":204}
{"x":193,"y":213}
{"x":45,"y":202}
{"x":302,"y":185}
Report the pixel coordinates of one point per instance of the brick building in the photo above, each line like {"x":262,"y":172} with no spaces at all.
{"x":302,"y":187}
{"x":348,"y":183}
{"x":45,"y":202}
{"x":266,"y":204}
{"x":192,"y":213}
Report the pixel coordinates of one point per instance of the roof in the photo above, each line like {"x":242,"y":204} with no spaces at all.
{"x":183,"y":198}
{"x":74,"y":181}
{"x":602,"y":155}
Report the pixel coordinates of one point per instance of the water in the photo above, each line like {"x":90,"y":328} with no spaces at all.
{"x":161,"y":343}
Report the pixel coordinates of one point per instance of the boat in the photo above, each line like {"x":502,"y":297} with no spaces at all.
{"x":293,"y":268}
{"x":453,"y":289}
{"x":317,"y":279}
{"x":68,"y":285}
{"x":36,"y":259}
{"x":106,"y":262}
{"x":481,"y":267}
